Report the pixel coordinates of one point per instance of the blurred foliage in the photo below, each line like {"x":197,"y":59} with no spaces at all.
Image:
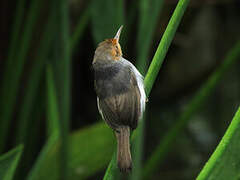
{"x":197,"y":101}
{"x":106,"y":15}
{"x":11,"y":78}
{"x":9,"y":162}
{"x":225,"y":161}
{"x":87,"y":154}
{"x":54,"y":114}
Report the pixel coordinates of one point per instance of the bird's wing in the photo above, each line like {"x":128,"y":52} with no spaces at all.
{"x":140,"y":82}
{"x":122,"y":109}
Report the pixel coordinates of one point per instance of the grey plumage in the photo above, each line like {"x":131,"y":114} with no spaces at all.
{"x":120,"y":95}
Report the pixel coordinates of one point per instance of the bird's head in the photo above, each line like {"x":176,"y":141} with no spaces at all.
{"x":109,"y":50}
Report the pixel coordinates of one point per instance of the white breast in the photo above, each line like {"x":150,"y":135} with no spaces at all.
{"x":140,"y":82}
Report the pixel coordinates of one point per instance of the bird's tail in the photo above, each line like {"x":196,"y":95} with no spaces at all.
{"x":124,"y":154}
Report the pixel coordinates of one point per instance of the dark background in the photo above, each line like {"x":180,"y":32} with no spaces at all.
{"x":207,"y":32}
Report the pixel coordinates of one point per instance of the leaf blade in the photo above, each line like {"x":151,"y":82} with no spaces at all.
{"x":224,"y":162}
{"x":201,"y":96}
{"x":87,"y":154}
{"x":11,"y":84}
{"x":9,"y":162}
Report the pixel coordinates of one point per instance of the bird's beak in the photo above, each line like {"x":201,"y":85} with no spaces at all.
{"x":118,"y":33}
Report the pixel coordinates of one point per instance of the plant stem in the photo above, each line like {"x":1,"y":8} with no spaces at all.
{"x":156,"y":65}
{"x":164,"y":45}
{"x":147,"y":10}
{"x":198,"y":100}
{"x":63,"y":68}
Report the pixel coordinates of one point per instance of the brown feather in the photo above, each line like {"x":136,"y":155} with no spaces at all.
{"x":124,"y":160}
{"x":122,"y":109}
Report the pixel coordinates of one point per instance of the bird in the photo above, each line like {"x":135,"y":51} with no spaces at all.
{"x":120,"y":94}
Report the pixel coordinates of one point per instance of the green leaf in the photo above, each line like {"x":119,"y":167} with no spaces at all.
{"x":62,"y":74}
{"x":145,"y":33}
{"x":31,"y":143}
{"x":224,"y":163}
{"x":11,"y":81}
{"x":53,"y":128}
{"x":36,"y":171}
{"x":148,"y":9}
{"x":106,"y":16}
{"x":89,"y":151}
{"x":34,"y":103}
{"x":34,"y":80}
{"x":52,"y":105}
{"x":92,"y":155}
{"x":155,"y":66}
{"x":164,"y":45}
{"x":197,"y":101}
{"x":9,"y":162}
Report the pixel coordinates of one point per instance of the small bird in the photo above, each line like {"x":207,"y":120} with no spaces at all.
{"x":120,"y":95}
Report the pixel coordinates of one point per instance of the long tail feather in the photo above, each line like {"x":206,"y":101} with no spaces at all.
{"x":124,"y":154}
